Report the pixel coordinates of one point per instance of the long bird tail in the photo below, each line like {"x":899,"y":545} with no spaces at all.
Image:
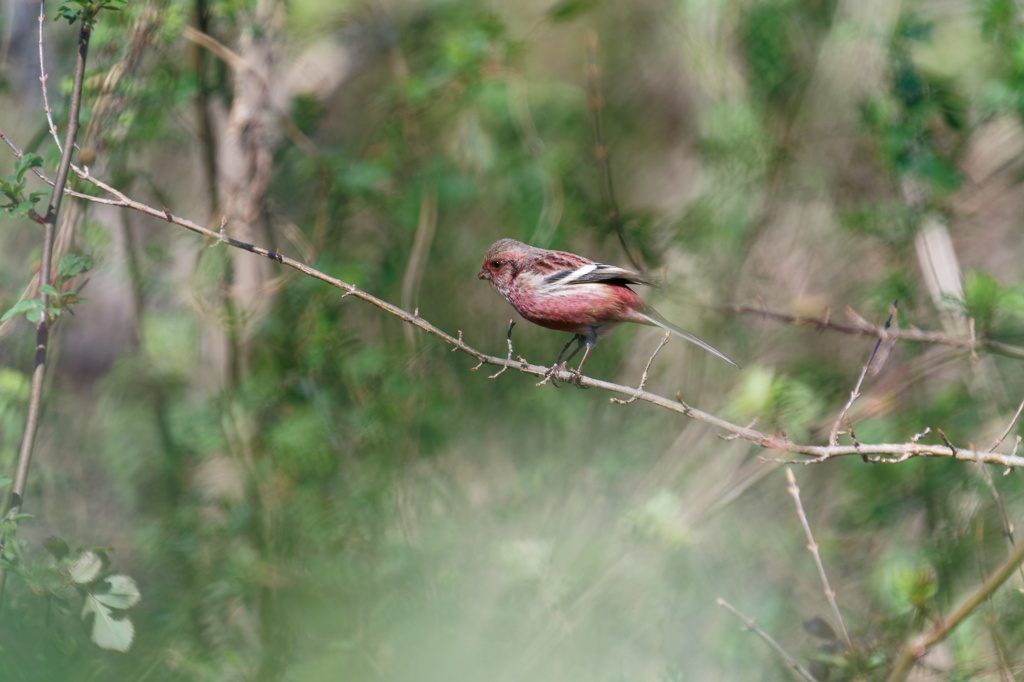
{"x":656,"y":319}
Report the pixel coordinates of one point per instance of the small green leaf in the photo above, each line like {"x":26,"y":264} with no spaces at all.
{"x":86,"y":567}
{"x":4,"y":482}
{"x":123,"y":592}
{"x":57,"y":547}
{"x":31,"y":307}
{"x":24,"y":164}
{"x":49,"y":290}
{"x":72,"y":264}
{"x":108,"y":632}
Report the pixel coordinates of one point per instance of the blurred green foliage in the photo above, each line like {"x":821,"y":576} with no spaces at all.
{"x":308,"y":491}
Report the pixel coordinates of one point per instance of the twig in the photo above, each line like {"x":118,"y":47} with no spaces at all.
{"x":425,"y":227}
{"x":918,"y":646}
{"x":812,"y":547}
{"x":783,"y":654}
{"x":17,"y":491}
{"x":833,"y":435}
{"x":595,"y":102}
{"x":1009,"y":427}
{"x":915,"y":335}
{"x":1007,"y":525}
{"x":643,"y":377}
{"x":508,"y":358}
{"x":43,"y":78}
{"x":945,"y":440}
{"x":992,"y":618}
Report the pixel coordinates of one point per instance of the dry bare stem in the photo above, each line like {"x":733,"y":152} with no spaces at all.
{"x":643,"y":377}
{"x":508,"y":358}
{"x":833,"y":435}
{"x":1007,"y":524}
{"x":812,"y":547}
{"x":783,"y":654}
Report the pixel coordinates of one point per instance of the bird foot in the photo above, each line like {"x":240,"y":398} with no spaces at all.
{"x":550,"y":374}
{"x":576,"y":380}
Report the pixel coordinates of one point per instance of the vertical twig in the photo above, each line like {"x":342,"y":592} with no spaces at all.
{"x":1007,"y":525}
{"x":812,"y":546}
{"x":595,"y":102}
{"x":833,"y":435}
{"x":17,"y":492}
{"x":43,"y":78}
{"x":643,"y":377}
{"x":511,"y":323}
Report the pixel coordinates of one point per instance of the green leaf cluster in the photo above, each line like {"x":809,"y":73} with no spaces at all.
{"x":60,"y":299}
{"x":13,"y":188}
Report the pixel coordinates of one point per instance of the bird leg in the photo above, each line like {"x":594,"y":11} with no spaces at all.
{"x":559,"y":364}
{"x":579,"y":370}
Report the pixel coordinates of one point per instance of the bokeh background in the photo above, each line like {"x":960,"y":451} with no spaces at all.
{"x":305,"y":488}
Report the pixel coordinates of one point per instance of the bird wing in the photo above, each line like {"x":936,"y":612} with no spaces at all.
{"x":596,"y":273}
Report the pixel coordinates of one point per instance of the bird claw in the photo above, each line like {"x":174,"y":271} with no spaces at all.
{"x":576,"y":380}
{"x":555,"y":369}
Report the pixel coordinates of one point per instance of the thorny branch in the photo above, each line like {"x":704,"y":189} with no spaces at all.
{"x":882,"y":452}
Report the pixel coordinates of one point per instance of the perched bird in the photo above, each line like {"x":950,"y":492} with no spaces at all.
{"x":570,"y":293}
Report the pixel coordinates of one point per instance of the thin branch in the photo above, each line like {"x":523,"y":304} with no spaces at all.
{"x":783,"y":654}
{"x":918,"y":646}
{"x":891,"y":452}
{"x":43,"y":78}
{"x":1009,"y":427}
{"x":643,"y":377}
{"x":863,"y":329}
{"x":992,"y":615}
{"x":595,"y":102}
{"x":1004,"y":517}
{"x":812,"y":546}
{"x":833,"y":435}
{"x":511,"y":323}
{"x":17,"y":491}
{"x":426,"y":225}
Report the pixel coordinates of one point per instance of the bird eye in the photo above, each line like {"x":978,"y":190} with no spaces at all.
{"x":496,"y":264}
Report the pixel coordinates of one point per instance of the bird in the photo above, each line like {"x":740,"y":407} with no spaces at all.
{"x":570,"y":293}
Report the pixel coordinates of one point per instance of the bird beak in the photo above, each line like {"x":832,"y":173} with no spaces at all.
{"x":483,"y":274}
